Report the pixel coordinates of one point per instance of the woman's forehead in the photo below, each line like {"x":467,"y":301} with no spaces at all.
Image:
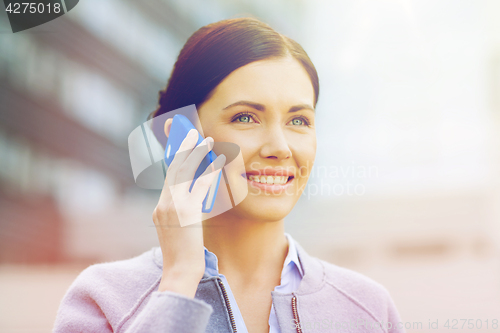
{"x":270,"y":81}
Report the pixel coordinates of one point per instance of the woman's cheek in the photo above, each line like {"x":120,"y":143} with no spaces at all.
{"x":248,"y":144}
{"x":305,"y":154}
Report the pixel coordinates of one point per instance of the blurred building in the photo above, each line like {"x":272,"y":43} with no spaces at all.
{"x":71,"y":91}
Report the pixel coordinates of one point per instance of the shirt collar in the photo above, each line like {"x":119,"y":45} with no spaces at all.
{"x":212,"y":266}
{"x":211,"y":263}
{"x":292,"y":255}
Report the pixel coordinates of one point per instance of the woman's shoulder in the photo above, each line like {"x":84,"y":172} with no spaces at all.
{"x":351,"y":281}
{"x":361,"y":290}
{"x":115,"y":288}
{"x":343,"y":279}
{"x":122,"y":274}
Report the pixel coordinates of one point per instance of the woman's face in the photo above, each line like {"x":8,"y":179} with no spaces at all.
{"x":266,"y":108}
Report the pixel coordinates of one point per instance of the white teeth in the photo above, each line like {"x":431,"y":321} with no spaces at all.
{"x":254,"y":178}
{"x":269,"y":179}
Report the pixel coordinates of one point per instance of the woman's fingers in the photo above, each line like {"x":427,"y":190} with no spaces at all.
{"x":182,"y":154}
{"x":189,"y":204}
{"x":202,"y":184}
{"x":187,"y":170}
{"x":175,"y":198}
{"x":165,"y":201}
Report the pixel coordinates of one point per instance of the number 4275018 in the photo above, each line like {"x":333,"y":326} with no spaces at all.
{"x":33,"y":7}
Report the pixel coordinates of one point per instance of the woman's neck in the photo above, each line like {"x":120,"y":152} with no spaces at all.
{"x":246,"y":250}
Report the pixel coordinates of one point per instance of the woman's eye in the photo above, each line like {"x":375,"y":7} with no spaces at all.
{"x":244,"y":119}
{"x":300,"y":122}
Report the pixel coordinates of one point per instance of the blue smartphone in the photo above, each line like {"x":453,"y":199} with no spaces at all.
{"x":178,"y":131}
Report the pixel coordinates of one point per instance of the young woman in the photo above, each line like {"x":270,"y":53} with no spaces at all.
{"x":237,"y":271}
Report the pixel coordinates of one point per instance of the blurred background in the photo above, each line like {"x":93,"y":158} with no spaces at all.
{"x":406,"y":184}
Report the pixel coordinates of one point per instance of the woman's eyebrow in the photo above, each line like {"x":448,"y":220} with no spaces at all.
{"x":256,"y":106}
{"x":301,"y":107}
{"x":261,"y":107}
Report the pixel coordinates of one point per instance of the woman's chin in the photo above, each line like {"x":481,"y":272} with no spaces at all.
{"x":262,"y":208}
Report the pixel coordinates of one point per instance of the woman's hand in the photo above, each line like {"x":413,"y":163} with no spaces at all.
{"x":182,"y":247}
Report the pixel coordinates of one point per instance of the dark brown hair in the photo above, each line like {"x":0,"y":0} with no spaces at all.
{"x":216,"y":50}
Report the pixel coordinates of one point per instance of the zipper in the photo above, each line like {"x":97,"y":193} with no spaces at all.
{"x":226,"y":299}
{"x":296,"y":314}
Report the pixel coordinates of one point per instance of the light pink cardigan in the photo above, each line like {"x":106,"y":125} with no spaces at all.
{"x":122,"y":296}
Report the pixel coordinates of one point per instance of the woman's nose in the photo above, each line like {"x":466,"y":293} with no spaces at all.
{"x":275,"y":146}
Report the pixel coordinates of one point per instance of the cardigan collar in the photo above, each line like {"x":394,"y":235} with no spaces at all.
{"x":314,"y":272}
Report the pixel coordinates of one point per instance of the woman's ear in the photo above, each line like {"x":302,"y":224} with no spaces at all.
{"x":168,"y":125}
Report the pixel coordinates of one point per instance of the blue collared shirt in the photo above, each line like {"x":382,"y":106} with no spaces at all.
{"x":291,"y":275}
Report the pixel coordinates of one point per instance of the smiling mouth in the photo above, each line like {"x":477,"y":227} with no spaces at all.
{"x":269,"y":180}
